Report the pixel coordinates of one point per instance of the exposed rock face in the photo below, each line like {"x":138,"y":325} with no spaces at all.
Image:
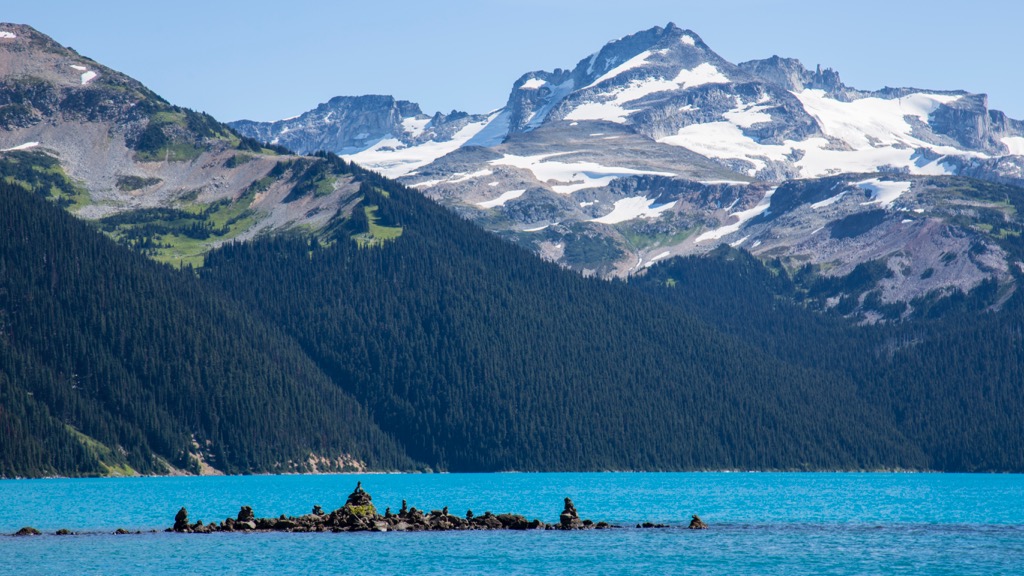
{"x":697,"y":524}
{"x":28,"y":531}
{"x":790,"y":74}
{"x":344,"y":124}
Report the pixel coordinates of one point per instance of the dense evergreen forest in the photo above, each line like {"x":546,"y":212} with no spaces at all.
{"x":111,"y":362}
{"x":403,"y":336}
{"x":951,"y":379}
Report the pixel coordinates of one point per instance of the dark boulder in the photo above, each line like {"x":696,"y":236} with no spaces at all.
{"x":181,"y":520}
{"x":487,"y":522}
{"x":697,"y":523}
{"x":28,"y":531}
{"x":651,"y":525}
{"x":63,"y":532}
{"x":513,"y":522}
{"x":246,"y":515}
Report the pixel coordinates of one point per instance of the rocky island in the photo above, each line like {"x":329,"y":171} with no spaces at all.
{"x":360,"y":515}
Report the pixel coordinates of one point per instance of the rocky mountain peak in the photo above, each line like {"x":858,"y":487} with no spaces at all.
{"x":789,"y":73}
{"x":652,"y":61}
{"x":343,"y":123}
{"x":669,"y":46}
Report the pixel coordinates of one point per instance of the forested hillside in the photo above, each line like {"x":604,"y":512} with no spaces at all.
{"x":112,"y":363}
{"x":950,"y":379}
{"x":402,"y":336}
{"x":479,"y":357}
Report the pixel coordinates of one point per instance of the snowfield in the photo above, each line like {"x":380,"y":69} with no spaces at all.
{"x":392,"y":158}
{"x":874,"y":132}
{"x":532,"y":84}
{"x":633,"y":208}
{"x":1015,"y":144}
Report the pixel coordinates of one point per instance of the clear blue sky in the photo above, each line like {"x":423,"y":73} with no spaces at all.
{"x":270,"y":60}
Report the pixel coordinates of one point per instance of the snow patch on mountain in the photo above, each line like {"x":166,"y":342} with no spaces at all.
{"x":883,"y":193}
{"x":393,"y":158}
{"x":828,"y":202}
{"x":741,"y":218}
{"x":24,"y":146}
{"x":7,"y":35}
{"x":569,"y":177}
{"x":414,"y":126}
{"x":533,"y":84}
{"x":494,"y":132}
{"x":1015,"y":144}
{"x":633,"y":208}
{"x":501,"y":200}
{"x":745,"y":116}
{"x":634,"y":62}
{"x":610,"y":106}
{"x":88,"y":77}
{"x":471,"y":176}
{"x":700,"y":75}
{"x":558,"y":93}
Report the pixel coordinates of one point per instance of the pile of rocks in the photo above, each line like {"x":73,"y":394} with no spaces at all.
{"x":360,"y":515}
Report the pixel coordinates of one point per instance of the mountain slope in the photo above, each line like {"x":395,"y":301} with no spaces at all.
{"x":112,"y":363}
{"x":478,"y":357}
{"x":130,"y":151}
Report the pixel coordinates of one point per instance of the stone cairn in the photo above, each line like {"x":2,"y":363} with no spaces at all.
{"x":360,"y":515}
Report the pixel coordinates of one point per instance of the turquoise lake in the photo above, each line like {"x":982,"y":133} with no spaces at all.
{"x":760,"y":523}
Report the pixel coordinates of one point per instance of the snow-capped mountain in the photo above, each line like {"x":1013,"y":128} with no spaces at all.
{"x":657,"y":146}
{"x":393,"y":136}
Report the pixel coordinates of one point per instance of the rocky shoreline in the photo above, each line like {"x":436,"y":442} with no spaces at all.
{"x":360,"y":515}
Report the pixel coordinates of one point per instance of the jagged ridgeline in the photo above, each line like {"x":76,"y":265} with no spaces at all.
{"x":112,"y":363}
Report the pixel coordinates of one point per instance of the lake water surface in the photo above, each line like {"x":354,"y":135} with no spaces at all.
{"x":761,"y":523}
